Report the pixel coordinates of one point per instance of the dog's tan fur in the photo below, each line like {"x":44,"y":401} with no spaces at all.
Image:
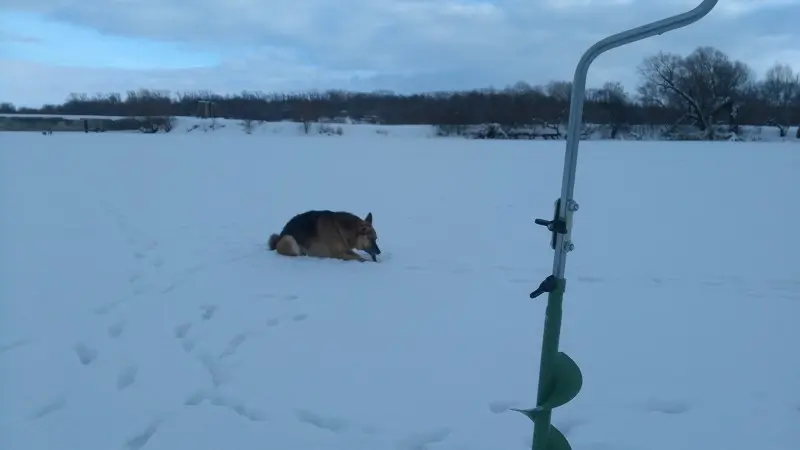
{"x":327,"y":234}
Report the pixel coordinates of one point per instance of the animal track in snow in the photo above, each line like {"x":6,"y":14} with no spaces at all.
{"x":86,"y":355}
{"x":188,"y":344}
{"x":14,"y":344}
{"x":195,"y":398}
{"x":667,"y":406}
{"x":420,"y":441}
{"x":288,"y":298}
{"x":107,"y":307}
{"x":234,"y":344}
{"x":140,"y":288}
{"x":140,"y":440}
{"x":215,"y":369}
{"x":275,"y":321}
{"x":49,"y":408}
{"x":182,"y":330}
{"x":329,"y":423}
{"x":238,"y":407}
{"x":208,"y":311}
{"x":116,"y":329}
{"x":126,"y":376}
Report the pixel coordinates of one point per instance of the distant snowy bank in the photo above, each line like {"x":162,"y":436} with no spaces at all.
{"x":47,"y":124}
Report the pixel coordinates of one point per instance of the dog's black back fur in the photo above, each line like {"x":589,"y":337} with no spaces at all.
{"x":303,"y":227}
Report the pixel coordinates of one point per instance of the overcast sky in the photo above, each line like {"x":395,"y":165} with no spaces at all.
{"x":49,"y":48}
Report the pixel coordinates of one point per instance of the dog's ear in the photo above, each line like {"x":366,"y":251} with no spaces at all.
{"x":368,"y":219}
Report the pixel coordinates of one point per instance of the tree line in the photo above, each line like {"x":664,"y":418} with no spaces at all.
{"x":705,"y":89}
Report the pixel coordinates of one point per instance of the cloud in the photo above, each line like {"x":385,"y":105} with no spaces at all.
{"x":394,"y":44}
{"x":13,"y":38}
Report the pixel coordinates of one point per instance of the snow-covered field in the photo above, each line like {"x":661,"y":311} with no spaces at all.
{"x":140,"y":309}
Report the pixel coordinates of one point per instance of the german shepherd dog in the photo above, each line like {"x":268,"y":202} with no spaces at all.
{"x":327,"y":234}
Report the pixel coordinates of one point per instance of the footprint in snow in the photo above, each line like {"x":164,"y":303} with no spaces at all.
{"x":14,"y":344}
{"x":188,"y":344}
{"x":182,"y":330}
{"x":140,"y":288}
{"x":49,"y":408}
{"x":287,"y":298}
{"x":126,"y":376}
{"x":140,"y":440}
{"x":234,"y":344}
{"x":329,"y":423}
{"x":107,"y":307}
{"x":195,"y":398}
{"x":420,"y":441}
{"x":86,"y":355}
{"x":667,"y":406}
{"x":208,"y":311}
{"x":116,"y":329}
{"x":238,"y":407}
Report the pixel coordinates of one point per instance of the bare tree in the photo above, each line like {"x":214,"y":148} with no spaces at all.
{"x":614,"y":103}
{"x":560,"y":93}
{"x":780,"y":90}
{"x":559,"y":90}
{"x":705,"y":85}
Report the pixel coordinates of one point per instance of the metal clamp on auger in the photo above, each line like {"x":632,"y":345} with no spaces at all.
{"x":560,"y":225}
{"x":548,"y":285}
{"x":556,"y":226}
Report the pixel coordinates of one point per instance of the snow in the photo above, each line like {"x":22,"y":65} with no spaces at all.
{"x":141,"y":310}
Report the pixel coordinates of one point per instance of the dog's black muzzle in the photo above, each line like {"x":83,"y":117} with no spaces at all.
{"x":374,"y":251}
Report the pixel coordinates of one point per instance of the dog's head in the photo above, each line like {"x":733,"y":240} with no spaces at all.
{"x":367,"y":238}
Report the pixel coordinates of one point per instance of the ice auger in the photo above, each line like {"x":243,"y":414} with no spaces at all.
{"x":560,"y":379}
